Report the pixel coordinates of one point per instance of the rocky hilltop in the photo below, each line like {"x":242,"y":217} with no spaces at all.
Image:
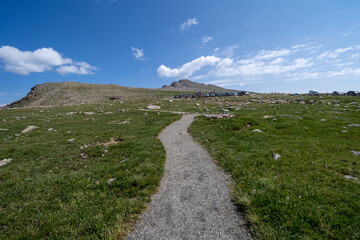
{"x":188,"y":85}
{"x":75,"y":93}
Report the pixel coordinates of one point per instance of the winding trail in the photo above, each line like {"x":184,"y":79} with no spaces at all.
{"x":193,"y":201}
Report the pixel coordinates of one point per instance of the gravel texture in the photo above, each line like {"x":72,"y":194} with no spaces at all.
{"x":193,"y":201}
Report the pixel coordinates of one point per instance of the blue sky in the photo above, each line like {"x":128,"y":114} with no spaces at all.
{"x":264,"y":46}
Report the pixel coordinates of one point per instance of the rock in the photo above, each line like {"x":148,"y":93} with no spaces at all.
{"x":350,"y":177}
{"x":50,"y":129}
{"x":276,"y":156}
{"x":197,"y":104}
{"x":344,"y":131}
{"x":323,"y":120}
{"x":70,"y":113}
{"x":286,"y":115}
{"x":257,"y":130}
{"x":355,"y":153}
{"x":225,"y":110}
{"x":354,"y":125}
{"x":17,"y":135}
{"x":29,"y":129}
{"x":121,"y":110}
{"x":153,"y":107}
{"x":100,"y":111}
{"x":83,"y":155}
{"x":170,"y":101}
{"x":267,"y":117}
{"x":311,"y":102}
{"x":71,"y":140}
{"x":89,"y":113}
{"x":5,"y":161}
{"x":108,"y":113}
{"x":206,"y":140}
{"x":110,"y":180}
{"x":3,"y":129}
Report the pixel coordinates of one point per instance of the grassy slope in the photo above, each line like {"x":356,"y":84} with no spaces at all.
{"x":302,"y":195}
{"x":49,"y":191}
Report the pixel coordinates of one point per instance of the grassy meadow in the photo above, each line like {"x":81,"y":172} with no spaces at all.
{"x":304,"y":194}
{"x":78,"y":176}
{"x":83,"y":175}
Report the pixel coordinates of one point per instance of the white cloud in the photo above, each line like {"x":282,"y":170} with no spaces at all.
{"x":26,"y":62}
{"x":229,"y":51}
{"x":138,"y":53}
{"x":206,"y":39}
{"x":3,"y":105}
{"x":283,"y":64}
{"x":347,"y":33}
{"x":186,"y":25}
{"x":188,"y":68}
{"x":81,"y":68}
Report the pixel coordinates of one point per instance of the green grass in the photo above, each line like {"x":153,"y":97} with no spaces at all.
{"x":48,"y":191}
{"x":304,"y":194}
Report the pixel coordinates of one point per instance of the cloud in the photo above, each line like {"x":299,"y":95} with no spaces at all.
{"x":206,"y":39}
{"x":229,"y":51}
{"x":188,"y":68}
{"x":283,"y":64}
{"x":347,"y":33}
{"x":3,"y":105}
{"x":81,"y":68}
{"x":138,"y":53}
{"x":186,"y":25}
{"x":41,"y":60}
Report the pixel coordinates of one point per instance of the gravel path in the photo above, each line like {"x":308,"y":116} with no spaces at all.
{"x":193,"y":201}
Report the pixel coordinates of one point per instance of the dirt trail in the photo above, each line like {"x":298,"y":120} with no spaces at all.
{"x":193,"y":201}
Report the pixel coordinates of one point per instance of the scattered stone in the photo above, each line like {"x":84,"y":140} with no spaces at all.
{"x":68,"y":132}
{"x":323,"y":120}
{"x":344,"y":131}
{"x":89,"y":113}
{"x":5,"y":161}
{"x":153,"y":107}
{"x":108,"y":113}
{"x":110,"y":180}
{"x":29,"y":129}
{"x":106,"y":151}
{"x":170,"y":101}
{"x":354,"y":125}
{"x":3,"y":129}
{"x":206,"y":140}
{"x":17,"y":135}
{"x":70,"y":113}
{"x":225,"y":110}
{"x":100,"y":111}
{"x":111,"y":142}
{"x":276,"y":156}
{"x":286,"y":115}
{"x":50,"y":129}
{"x":350,"y":177}
{"x":197,"y":104}
{"x":355,"y":153}
{"x":311,"y":102}
{"x":71,"y":140}
{"x":267,"y":116}
{"x":83,"y":155}
{"x":257,"y":130}
{"x":121,"y":110}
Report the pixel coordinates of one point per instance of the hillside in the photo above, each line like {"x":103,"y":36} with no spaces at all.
{"x":75,"y":93}
{"x":188,"y":85}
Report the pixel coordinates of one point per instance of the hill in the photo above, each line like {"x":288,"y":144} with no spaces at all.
{"x":188,"y":85}
{"x":75,"y":93}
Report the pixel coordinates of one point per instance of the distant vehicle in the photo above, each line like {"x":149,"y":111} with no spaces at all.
{"x":212,"y":94}
{"x":352,"y":93}
{"x":241,"y":93}
{"x":233,"y":94}
{"x":206,"y":95}
{"x":335,"y":93}
{"x":227,"y":94}
{"x":313,"y":93}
